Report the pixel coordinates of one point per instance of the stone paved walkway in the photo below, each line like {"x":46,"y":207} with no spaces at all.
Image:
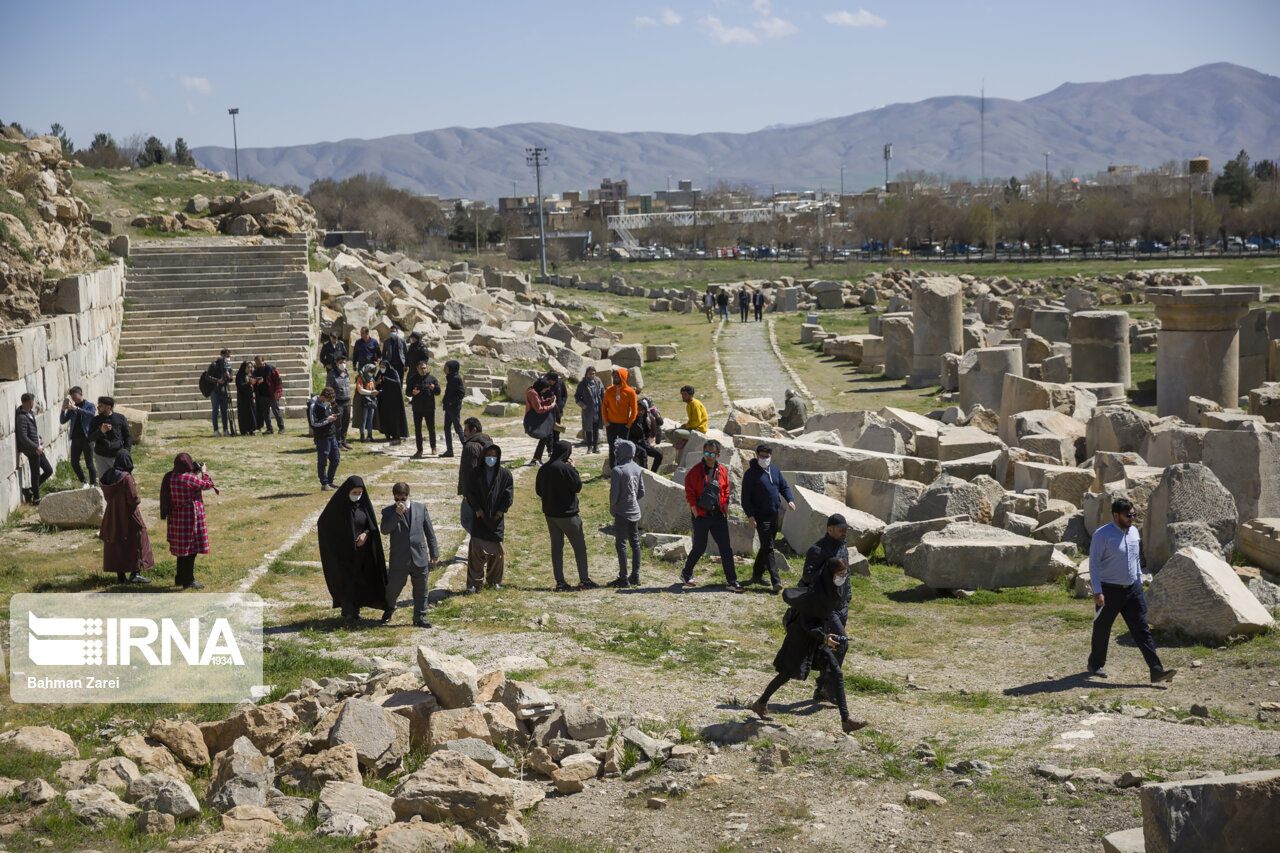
{"x":750,"y":367}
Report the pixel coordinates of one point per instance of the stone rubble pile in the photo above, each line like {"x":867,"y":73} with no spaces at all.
{"x":271,"y":213}
{"x":482,"y":748}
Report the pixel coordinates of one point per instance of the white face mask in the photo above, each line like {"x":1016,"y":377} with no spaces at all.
{"x":840,"y":579}
{"x":354,"y":497}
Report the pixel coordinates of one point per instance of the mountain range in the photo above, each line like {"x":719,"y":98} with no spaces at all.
{"x":1213,"y":110}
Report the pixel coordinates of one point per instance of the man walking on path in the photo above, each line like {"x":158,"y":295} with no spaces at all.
{"x":626,"y":488}
{"x":340,"y":381}
{"x":1115,"y":572}
{"x":757,"y":302}
{"x":79,"y":412}
{"x":620,"y":409}
{"x":490,"y":492}
{"x":109,"y":432}
{"x":763,"y":491}
{"x":268,"y":393}
{"x":722,"y":302}
{"x":695,"y":418}
{"x":452,"y":403}
{"x":413,"y":553}
{"x":794,"y":412}
{"x":709,"y":305}
{"x":323,"y":420}
{"x":220,"y":377}
{"x":558,"y":484}
{"x":31,"y":445}
{"x":744,"y":305}
{"x":706,"y":489}
{"x":472,"y":451}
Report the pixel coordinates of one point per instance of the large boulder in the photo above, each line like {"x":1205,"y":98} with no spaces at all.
{"x":974,"y":556}
{"x":807,"y":523}
{"x":241,"y":776}
{"x":183,"y":739}
{"x":352,"y":798}
{"x":901,"y":536}
{"x":1245,"y":460}
{"x":267,"y":727}
{"x":452,"y":787}
{"x":311,"y":772}
{"x":1198,"y":594}
{"x":663,"y":507}
{"x":73,"y":508}
{"x":1220,"y":814}
{"x":381,"y":738}
{"x":1021,"y":395}
{"x":1190,"y":494}
{"x":93,"y":804}
{"x":48,"y":741}
{"x":947,"y":496}
{"x":452,"y":679}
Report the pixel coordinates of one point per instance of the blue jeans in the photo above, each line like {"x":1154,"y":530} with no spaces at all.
{"x":327,"y":451}
{"x":369,"y":410}
{"x":220,"y":403}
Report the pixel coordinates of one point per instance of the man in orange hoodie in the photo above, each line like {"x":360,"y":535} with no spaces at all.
{"x":619,"y":409}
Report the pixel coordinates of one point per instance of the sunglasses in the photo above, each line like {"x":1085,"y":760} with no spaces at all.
{"x":710,"y":453}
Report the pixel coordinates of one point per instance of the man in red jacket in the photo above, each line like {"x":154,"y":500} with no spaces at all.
{"x":706,"y":488}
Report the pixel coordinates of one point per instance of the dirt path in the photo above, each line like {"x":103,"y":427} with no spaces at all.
{"x":751,"y":368}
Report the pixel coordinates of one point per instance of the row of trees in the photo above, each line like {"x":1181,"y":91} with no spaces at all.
{"x":104,"y":152}
{"x":396,"y":218}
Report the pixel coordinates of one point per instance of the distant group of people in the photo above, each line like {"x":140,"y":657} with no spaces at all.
{"x":259,"y":391}
{"x":749,"y":301}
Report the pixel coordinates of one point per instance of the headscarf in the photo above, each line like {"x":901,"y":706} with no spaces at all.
{"x":243,"y":371}
{"x":123,"y":465}
{"x":369,"y":371}
{"x":451,"y":366}
{"x":182,"y":464}
{"x":338,"y":510}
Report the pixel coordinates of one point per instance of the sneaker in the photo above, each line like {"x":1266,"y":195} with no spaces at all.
{"x":777,"y":588}
{"x":471,"y":590}
{"x":325,"y":487}
{"x":446,"y":454}
{"x":687,"y":582}
{"x":848,"y":724}
{"x":496,"y":586}
{"x":736,"y":587}
{"x":635,"y":580}
{"x":422,"y":623}
{"x":217,"y":434}
{"x":1162,"y":674}
{"x":386,"y":617}
{"x":564,"y":587}
{"x":761,"y":710}
{"x":138,"y":578}
{"x":1099,"y":672}
{"x":194,"y":585}
{"x":618,"y":583}
{"x":588,"y":584}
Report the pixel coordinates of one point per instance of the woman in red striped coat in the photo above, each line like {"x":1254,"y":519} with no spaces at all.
{"x":182,"y":506}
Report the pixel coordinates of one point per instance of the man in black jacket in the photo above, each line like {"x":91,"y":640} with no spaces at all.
{"x":452,"y":403}
{"x":422,"y":389}
{"x":109,"y":432}
{"x":221,"y":378}
{"x":394,"y":352}
{"x":558,"y":485}
{"x":490,"y":493}
{"x":323,"y":419}
{"x":31,"y":446}
{"x":763,"y":491}
{"x":331,"y":349}
{"x":475,"y":441}
{"x":831,"y":545}
{"x":417,"y":351}
{"x":744,"y":304}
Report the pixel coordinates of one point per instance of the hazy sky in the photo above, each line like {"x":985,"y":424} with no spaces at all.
{"x":317,"y":71}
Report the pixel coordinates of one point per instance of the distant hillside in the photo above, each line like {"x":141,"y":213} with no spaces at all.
{"x":1214,"y":110}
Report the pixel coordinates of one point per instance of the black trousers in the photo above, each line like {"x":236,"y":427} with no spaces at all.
{"x":186,"y":573}
{"x":656,"y":455}
{"x":613,"y":432}
{"x":717,"y":526}
{"x":344,"y":420}
{"x":830,"y":677}
{"x":41,"y":470}
{"x":767,"y":530}
{"x":452,"y":424}
{"x":1128,"y":602}
{"x":742,"y":312}
{"x":759,"y":312}
{"x":543,"y":444}
{"x":82,"y":447}
{"x":430,"y":419}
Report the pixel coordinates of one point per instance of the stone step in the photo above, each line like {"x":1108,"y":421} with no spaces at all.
{"x":248,"y":344}
{"x":146,"y":272}
{"x":180,"y":255}
{"x":148,"y":324}
{"x":228,"y":287}
{"x":180,"y":366}
{"x":192,"y":412}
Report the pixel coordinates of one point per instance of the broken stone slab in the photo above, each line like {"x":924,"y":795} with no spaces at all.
{"x":900,"y":537}
{"x":183,"y":739}
{"x":1125,"y":841}
{"x":574,"y":771}
{"x":1064,"y":482}
{"x":1260,"y":542}
{"x":172,"y":798}
{"x":482,"y":753}
{"x":1198,"y":594}
{"x":94,"y":804}
{"x":350,"y":798}
{"x":73,"y":508}
{"x":311,"y":772}
{"x":1222,"y":814}
{"x":1188,"y":493}
{"x":584,"y":723}
{"x":343,"y":826}
{"x":663,"y":506}
{"x":653,"y":748}
{"x":452,"y":787}
{"x":452,"y":679}
{"x":807,"y":523}
{"x":43,"y":739}
{"x":1022,"y":395}
{"x":975,"y":556}
{"x":888,"y":500}
{"x":267,"y":727}
{"x":116,"y":773}
{"x":293,"y":809}
{"x":953,"y":443}
{"x":527,"y":701}
{"x":252,"y":820}
{"x":950,"y":496}
{"x":241,"y":776}
{"x":1245,"y":461}
{"x":455,"y":724}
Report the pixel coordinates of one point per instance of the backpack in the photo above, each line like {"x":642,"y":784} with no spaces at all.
{"x":207,"y":384}
{"x":709,"y":500}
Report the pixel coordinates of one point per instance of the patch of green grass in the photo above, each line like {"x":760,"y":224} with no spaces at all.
{"x":981,"y":700}
{"x":868,"y":685}
{"x":656,"y":644}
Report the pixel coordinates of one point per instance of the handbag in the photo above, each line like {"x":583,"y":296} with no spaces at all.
{"x":539,"y":425}
{"x":709,"y":500}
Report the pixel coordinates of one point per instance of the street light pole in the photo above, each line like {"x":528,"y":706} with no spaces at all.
{"x":1046,"y":176}
{"x":842,"y":182}
{"x":888,"y":155}
{"x":233,"y":112}
{"x":536,"y":157}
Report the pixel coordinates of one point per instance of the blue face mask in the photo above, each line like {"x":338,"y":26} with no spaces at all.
{"x":491,"y":461}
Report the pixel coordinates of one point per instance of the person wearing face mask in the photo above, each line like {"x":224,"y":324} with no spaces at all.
{"x":706,"y":489}
{"x":814,"y":634}
{"x":490,"y":492}
{"x":830,"y":546}
{"x":355,"y":568}
{"x":339,"y":380}
{"x":1115,"y":571}
{"x":763,"y":491}
{"x":395,"y":352}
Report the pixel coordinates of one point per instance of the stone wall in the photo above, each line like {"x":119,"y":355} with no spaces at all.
{"x":75,"y":346}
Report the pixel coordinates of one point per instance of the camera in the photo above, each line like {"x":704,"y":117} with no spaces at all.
{"x":197,"y":463}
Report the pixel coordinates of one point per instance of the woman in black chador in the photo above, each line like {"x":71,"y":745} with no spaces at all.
{"x":815,"y":636}
{"x":355,"y":569}
{"x":246,"y":410}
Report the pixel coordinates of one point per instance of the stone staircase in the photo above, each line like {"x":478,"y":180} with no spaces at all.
{"x":186,"y":301}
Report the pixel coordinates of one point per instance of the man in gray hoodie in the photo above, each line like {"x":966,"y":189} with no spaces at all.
{"x":626,"y":488}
